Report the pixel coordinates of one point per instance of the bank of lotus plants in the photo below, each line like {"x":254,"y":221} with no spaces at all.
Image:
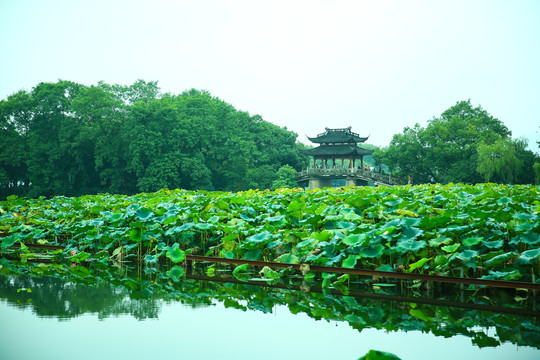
{"x":487,"y":231}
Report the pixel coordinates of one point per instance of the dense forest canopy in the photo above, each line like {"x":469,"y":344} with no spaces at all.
{"x":465,"y":144}
{"x":65,"y":138}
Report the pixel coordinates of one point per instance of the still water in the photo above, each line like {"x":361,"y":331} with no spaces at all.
{"x":66,"y":318}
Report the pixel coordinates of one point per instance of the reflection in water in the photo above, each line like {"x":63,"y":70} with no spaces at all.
{"x":487,"y":316}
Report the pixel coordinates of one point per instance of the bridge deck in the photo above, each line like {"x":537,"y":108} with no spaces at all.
{"x":346,"y":173}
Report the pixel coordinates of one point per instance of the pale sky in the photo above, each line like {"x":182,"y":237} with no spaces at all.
{"x":377,"y":66}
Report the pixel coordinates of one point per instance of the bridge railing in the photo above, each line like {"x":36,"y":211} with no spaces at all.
{"x":344,"y":172}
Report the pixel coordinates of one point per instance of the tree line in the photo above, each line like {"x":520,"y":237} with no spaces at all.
{"x":69,"y":139}
{"x":465,"y":144}
{"x":65,"y":138}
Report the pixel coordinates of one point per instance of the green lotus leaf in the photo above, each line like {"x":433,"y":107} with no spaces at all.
{"x":410,"y":245}
{"x":204,"y":226}
{"x":436,"y":242}
{"x":260,"y":237}
{"x":150,"y":259}
{"x":451,"y":248}
{"x":8,"y":241}
{"x":530,"y":238}
{"x":377,"y":355}
{"x":505,"y":274}
{"x":372,"y":251}
{"x":350,"y":261}
{"x":523,"y":227}
{"x":495,"y":244}
{"x":411,"y":233}
{"x":275,"y":218}
{"x":471,"y":241}
{"x":352,"y":216}
{"x":136,"y":235}
{"x":116,"y":217}
{"x":499,"y":259}
{"x":241,"y":272}
{"x":440,"y":260}
{"x":525,"y":216}
{"x":417,"y":313}
{"x":253,"y":254}
{"x":176,"y":255}
{"x":345,"y":225}
{"x":355,"y":239}
{"x":385,"y":267}
{"x":288,"y":259}
{"x":467,"y":255}
{"x":296,"y":205}
{"x":175,"y":273}
{"x":323,"y":235}
{"x":529,"y":257}
{"x":504,"y":200}
{"x":144,"y":214}
{"x":419,"y":264}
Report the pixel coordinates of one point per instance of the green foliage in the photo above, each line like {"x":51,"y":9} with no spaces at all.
{"x":536,"y":168}
{"x":486,"y":230}
{"x":65,"y":292}
{"x":498,"y":162}
{"x":286,"y":178}
{"x":447,"y":149}
{"x":68,"y":139}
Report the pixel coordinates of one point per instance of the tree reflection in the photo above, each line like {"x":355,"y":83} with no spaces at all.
{"x":65,"y":293}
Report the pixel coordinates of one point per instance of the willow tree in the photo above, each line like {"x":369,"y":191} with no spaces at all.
{"x":498,"y":162}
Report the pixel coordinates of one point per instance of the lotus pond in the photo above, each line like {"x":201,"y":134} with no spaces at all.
{"x":123,"y":257}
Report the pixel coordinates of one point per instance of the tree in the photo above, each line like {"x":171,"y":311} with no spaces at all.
{"x":446,"y":149}
{"x":499,"y":161}
{"x":285,"y":178}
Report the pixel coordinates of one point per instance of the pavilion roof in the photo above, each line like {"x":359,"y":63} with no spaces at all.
{"x":337,"y":151}
{"x":338,"y":136}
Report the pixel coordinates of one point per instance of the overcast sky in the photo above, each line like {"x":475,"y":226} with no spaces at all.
{"x":377,"y":66}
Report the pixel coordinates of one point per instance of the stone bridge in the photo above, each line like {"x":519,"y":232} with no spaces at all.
{"x":319,"y":178}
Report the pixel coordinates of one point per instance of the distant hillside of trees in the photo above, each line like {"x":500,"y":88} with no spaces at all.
{"x":68,"y":139}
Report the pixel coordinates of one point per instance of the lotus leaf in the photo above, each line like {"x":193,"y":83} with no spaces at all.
{"x":451,"y":248}
{"x":150,"y":259}
{"x":472,"y":241}
{"x":176,"y":255}
{"x":8,"y":241}
{"x":241,"y":272}
{"x":467,"y":255}
{"x":436,"y":242}
{"x":144,"y":214}
{"x":355,"y":239}
{"x":496,"y":244}
{"x":385,"y":267}
{"x":419,"y":264}
{"x":253,"y":254}
{"x":410,"y":245}
{"x":288,"y":259}
{"x":378,"y":355}
{"x":528,"y":257}
{"x":204,"y":226}
{"x":350,"y":261}
{"x":345,"y":225}
{"x":499,"y":259}
{"x":372,"y":251}
{"x":175,"y":273}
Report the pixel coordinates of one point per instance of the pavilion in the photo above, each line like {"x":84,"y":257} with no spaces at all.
{"x":338,"y":156}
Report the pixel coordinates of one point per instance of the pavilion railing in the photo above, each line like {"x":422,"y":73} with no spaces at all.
{"x":362,"y":174}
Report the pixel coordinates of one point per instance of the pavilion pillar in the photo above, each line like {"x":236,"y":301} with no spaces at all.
{"x":362,"y":162}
